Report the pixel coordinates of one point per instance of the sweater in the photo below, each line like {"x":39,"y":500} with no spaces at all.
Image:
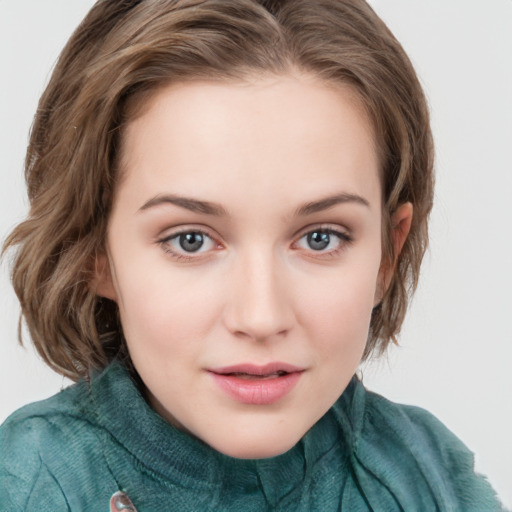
{"x":73,"y":451}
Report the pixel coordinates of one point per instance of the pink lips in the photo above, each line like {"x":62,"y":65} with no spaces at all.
{"x":257,"y":385}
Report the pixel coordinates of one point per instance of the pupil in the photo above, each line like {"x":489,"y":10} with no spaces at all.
{"x":318,"y":240}
{"x":191,"y":242}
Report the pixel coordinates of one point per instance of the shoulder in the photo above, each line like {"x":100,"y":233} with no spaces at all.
{"x":40,"y":424}
{"x":41,"y":444}
{"x":411,"y":423}
{"x":432,"y":459}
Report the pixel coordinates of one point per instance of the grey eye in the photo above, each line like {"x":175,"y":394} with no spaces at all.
{"x":325,"y":241}
{"x":191,"y":242}
{"x":188,"y":243}
{"x":318,"y":240}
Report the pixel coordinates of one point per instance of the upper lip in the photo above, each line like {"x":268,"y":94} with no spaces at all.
{"x":253,"y":369}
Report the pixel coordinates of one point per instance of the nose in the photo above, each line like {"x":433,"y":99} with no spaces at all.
{"x":259,"y":305}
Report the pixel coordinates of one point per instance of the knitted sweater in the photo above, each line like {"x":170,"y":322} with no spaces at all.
{"x":76,"y":449}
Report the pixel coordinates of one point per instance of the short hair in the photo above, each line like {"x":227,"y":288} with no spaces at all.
{"x":124,"y":51}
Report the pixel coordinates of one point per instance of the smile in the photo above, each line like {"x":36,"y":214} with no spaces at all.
{"x":257,"y":385}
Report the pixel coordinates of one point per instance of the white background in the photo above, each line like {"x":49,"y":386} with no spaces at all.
{"x":455,"y":357}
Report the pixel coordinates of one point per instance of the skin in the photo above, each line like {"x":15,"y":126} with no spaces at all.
{"x":256,"y":291}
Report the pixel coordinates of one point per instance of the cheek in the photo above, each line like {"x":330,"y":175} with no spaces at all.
{"x":337,"y":310}
{"x":164,"y":305}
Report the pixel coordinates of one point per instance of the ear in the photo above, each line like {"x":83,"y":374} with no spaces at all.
{"x":401,"y":222}
{"x":103,"y":283}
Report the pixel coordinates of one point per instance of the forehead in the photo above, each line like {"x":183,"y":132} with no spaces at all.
{"x":267,"y":136}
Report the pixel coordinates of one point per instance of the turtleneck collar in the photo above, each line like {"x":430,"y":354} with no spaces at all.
{"x":174,"y":456}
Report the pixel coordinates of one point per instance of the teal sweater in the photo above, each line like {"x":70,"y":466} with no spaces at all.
{"x":76,"y":449}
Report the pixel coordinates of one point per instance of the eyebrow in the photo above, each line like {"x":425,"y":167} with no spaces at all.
{"x":329,"y":202}
{"x":194,"y":205}
{"x":208,"y":208}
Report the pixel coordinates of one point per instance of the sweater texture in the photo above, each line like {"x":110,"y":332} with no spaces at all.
{"x":73,"y":451}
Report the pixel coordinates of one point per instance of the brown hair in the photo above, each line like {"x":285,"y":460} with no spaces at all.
{"x":126,"y":49}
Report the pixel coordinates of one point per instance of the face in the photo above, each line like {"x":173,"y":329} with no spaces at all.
{"x":244,"y":250}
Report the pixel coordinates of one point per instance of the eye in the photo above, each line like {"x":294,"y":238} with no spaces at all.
{"x":323,"y":240}
{"x":191,"y":242}
{"x":187,"y":243}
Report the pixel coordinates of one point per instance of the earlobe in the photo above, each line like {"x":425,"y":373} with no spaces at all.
{"x":103,"y":284}
{"x":401,"y":221}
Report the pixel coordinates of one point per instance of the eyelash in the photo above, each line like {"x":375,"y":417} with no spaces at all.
{"x":178,"y":256}
{"x":344,"y":241}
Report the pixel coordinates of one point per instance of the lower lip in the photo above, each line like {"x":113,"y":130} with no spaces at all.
{"x":257,"y":391}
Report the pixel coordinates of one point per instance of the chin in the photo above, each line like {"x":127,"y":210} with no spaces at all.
{"x":258,"y":447}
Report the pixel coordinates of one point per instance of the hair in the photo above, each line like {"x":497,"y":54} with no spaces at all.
{"x":124,"y":51}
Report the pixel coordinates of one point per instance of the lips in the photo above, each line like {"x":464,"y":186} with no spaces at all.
{"x":257,"y":385}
